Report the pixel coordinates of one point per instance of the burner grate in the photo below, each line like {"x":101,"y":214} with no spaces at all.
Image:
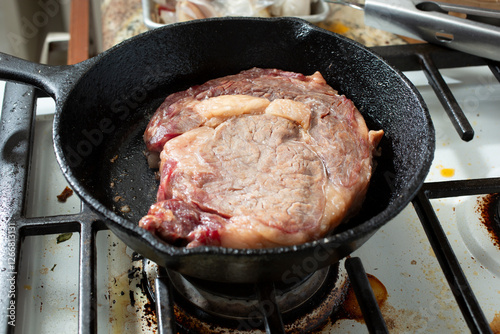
{"x":429,"y":59}
{"x":437,"y":237}
{"x":16,"y":136}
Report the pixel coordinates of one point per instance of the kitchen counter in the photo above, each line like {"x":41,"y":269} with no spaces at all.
{"x":122,"y":19}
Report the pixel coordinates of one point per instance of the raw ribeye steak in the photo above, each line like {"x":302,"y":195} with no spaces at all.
{"x":262,"y":158}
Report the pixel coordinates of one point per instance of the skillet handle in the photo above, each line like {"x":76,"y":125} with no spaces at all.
{"x":54,"y":80}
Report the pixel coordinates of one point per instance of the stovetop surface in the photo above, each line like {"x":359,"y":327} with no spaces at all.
{"x":399,"y":254}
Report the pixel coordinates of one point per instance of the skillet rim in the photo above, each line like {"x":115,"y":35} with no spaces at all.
{"x":365,"y":228}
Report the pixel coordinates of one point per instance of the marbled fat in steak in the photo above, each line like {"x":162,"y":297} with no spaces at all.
{"x":262,"y":158}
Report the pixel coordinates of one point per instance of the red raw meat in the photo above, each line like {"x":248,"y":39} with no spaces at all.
{"x":263,"y":158}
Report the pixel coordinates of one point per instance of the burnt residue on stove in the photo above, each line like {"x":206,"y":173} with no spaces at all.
{"x":395,"y":319}
{"x":149,"y":316}
{"x":322,"y":315}
{"x":495,"y":324}
{"x":489,"y":209}
{"x":350,"y":308}
{"x":311,"y":314}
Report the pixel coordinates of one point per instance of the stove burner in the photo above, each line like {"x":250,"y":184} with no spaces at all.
{"x":304,"y":305}
{"x":245,"y":292}
{"x":17,"y":125}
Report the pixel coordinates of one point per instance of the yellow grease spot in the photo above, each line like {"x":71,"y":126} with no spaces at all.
{"x":336,"y":27}
{"x":447,"y":172}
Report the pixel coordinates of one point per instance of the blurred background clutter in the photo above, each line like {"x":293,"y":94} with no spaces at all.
{"x":39,"y":30}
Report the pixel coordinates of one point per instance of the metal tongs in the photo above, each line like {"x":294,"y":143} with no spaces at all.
{"x":472,"y":30}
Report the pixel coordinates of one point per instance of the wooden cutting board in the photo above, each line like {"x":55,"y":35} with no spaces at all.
{"x":78,"y":46}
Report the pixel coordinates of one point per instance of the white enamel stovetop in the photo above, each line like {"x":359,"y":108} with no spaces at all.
{"x":399,"y":255}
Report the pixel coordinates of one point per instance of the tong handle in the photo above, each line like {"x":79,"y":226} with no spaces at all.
{"x":450,"y":7}
{"x":429,"y":21}
{"x":352,"y":4}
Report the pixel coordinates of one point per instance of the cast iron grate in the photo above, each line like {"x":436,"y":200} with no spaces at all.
{"x":16,"y":137}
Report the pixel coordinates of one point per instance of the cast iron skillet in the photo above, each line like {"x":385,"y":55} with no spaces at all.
{"x":104,"y":104}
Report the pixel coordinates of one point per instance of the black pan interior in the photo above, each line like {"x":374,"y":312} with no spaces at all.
{"x":98,"y":133}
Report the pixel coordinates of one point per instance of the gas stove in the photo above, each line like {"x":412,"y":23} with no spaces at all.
{"x":438,"y":261}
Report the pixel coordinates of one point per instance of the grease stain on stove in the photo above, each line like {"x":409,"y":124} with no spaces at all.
{"x":495,"y":324}
{"x":149,"y":316}
{"x":127,"y":301}
{"x":489,"y":211}
{"x":447,"y":172}
{"x":396,"y":319}
{"x":350,"y":308}
{"x":437,"y":306}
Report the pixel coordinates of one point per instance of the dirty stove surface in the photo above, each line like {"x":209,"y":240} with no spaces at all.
{"x":399,"y":255}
